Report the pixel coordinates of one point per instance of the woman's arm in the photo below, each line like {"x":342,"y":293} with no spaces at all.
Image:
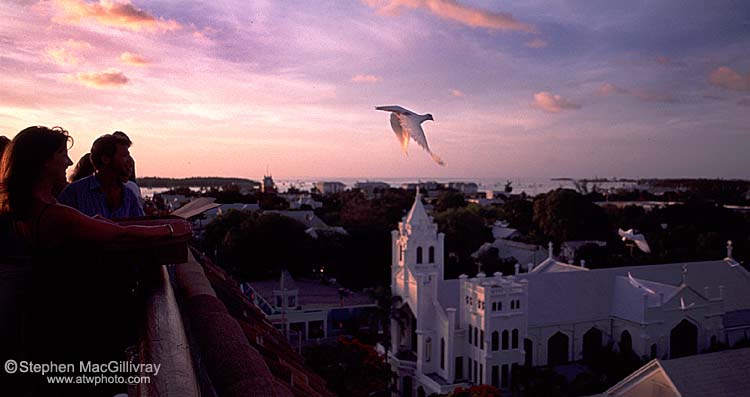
{"x":63,"y":223}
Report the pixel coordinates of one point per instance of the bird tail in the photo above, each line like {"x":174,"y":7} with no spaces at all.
{"x":437,"y":159}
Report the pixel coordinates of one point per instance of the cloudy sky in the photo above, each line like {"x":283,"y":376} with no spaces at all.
{"x":517,"y":88}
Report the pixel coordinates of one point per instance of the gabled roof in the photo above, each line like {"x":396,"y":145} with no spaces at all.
{"x":286,"y":282}
{"x":552,"y":265}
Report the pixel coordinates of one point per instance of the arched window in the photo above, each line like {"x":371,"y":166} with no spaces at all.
{"x":512,"y":305}
{"x":471,"y":329}
{"x":495,"y":340}
{"x":626,"y":342}
{"x":500,"y":306}
{"x":481,"y":340}
{"x":419,"y":254}
{"x":442,"y":353}
{"x":505,"y":339}
{"x":518,"y":304}
{"x":476,"y":336}
{"x":514,"y":339}
{"x":431,"y":255}
{"x":427,"y":348}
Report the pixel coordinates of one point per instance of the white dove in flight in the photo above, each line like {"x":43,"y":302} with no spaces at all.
{"x":405,"y":124}
{"x":638,"y":238}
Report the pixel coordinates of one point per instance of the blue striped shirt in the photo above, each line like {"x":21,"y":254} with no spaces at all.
{"x":86,"y":195}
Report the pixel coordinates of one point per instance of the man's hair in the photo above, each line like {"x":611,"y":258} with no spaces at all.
{"x":106,"y":145}
{"x":122,"y":135}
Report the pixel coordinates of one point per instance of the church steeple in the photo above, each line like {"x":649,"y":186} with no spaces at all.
{"x":417,"y":215}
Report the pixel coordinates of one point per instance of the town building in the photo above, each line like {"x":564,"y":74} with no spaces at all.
{"x":370,"y":189}
{"x":268,"y":186}
{"x":473,"y":330}
{"x":328,"y":187}
{"x":310,"y":311}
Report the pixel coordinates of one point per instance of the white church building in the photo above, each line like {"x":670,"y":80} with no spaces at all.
{"x":448,"y":333}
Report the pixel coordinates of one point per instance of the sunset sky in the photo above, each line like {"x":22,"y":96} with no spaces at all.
{"x":517,"y":88}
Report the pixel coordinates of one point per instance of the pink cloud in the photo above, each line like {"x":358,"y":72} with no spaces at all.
{"x":68,"y":52}
{"x":366,"y":78}
{"x":553,"y":103}
{"x":726,"y":77}
{"x":110,"y":78}
{"x":537,"y":43}
{"x":116,"y":14}
{"x":611,"y":89}
{"x":133,"y":59}
{"x":63,"y":56}
{"x":451,"y":10}
{"x":457,"y":93}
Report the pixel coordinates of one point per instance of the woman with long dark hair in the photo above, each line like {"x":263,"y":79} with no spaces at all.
{"x":36,"y":233}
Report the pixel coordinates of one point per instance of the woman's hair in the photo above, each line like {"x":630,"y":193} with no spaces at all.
{"x":83,"y":168}
{"x":22,"y":166}
{"x":4,"y":141}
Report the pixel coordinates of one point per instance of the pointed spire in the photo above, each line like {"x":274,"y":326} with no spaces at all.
{"x":549,"y":250}
{"x":417,"y":214}
{"x":729,"y":249}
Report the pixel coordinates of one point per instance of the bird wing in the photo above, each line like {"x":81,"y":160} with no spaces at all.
{"x":411,"y":125}
{"x":643,"y":245}
{"x":640,"y":241}
{"x":401,"y":135}
{"x":395,"y":109}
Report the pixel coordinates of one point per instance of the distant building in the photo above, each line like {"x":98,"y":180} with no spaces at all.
{"x":469,"y":189}
{"x":503,"y":230}
{"x":268,"y":186}
{"x":569,"y":249}
{"x":447,"y":333}
{"x":308,"y":310}
{"x":326,"y":187}
{"x":298,"y":201}
{"x":723,"y":373}
{"x":429,"y":188}
{"x":523,"y":253}
{"x":370,"y":188}
{"x":315,"y":226}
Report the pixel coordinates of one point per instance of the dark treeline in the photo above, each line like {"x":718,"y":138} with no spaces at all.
{"x":198,"y":181}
